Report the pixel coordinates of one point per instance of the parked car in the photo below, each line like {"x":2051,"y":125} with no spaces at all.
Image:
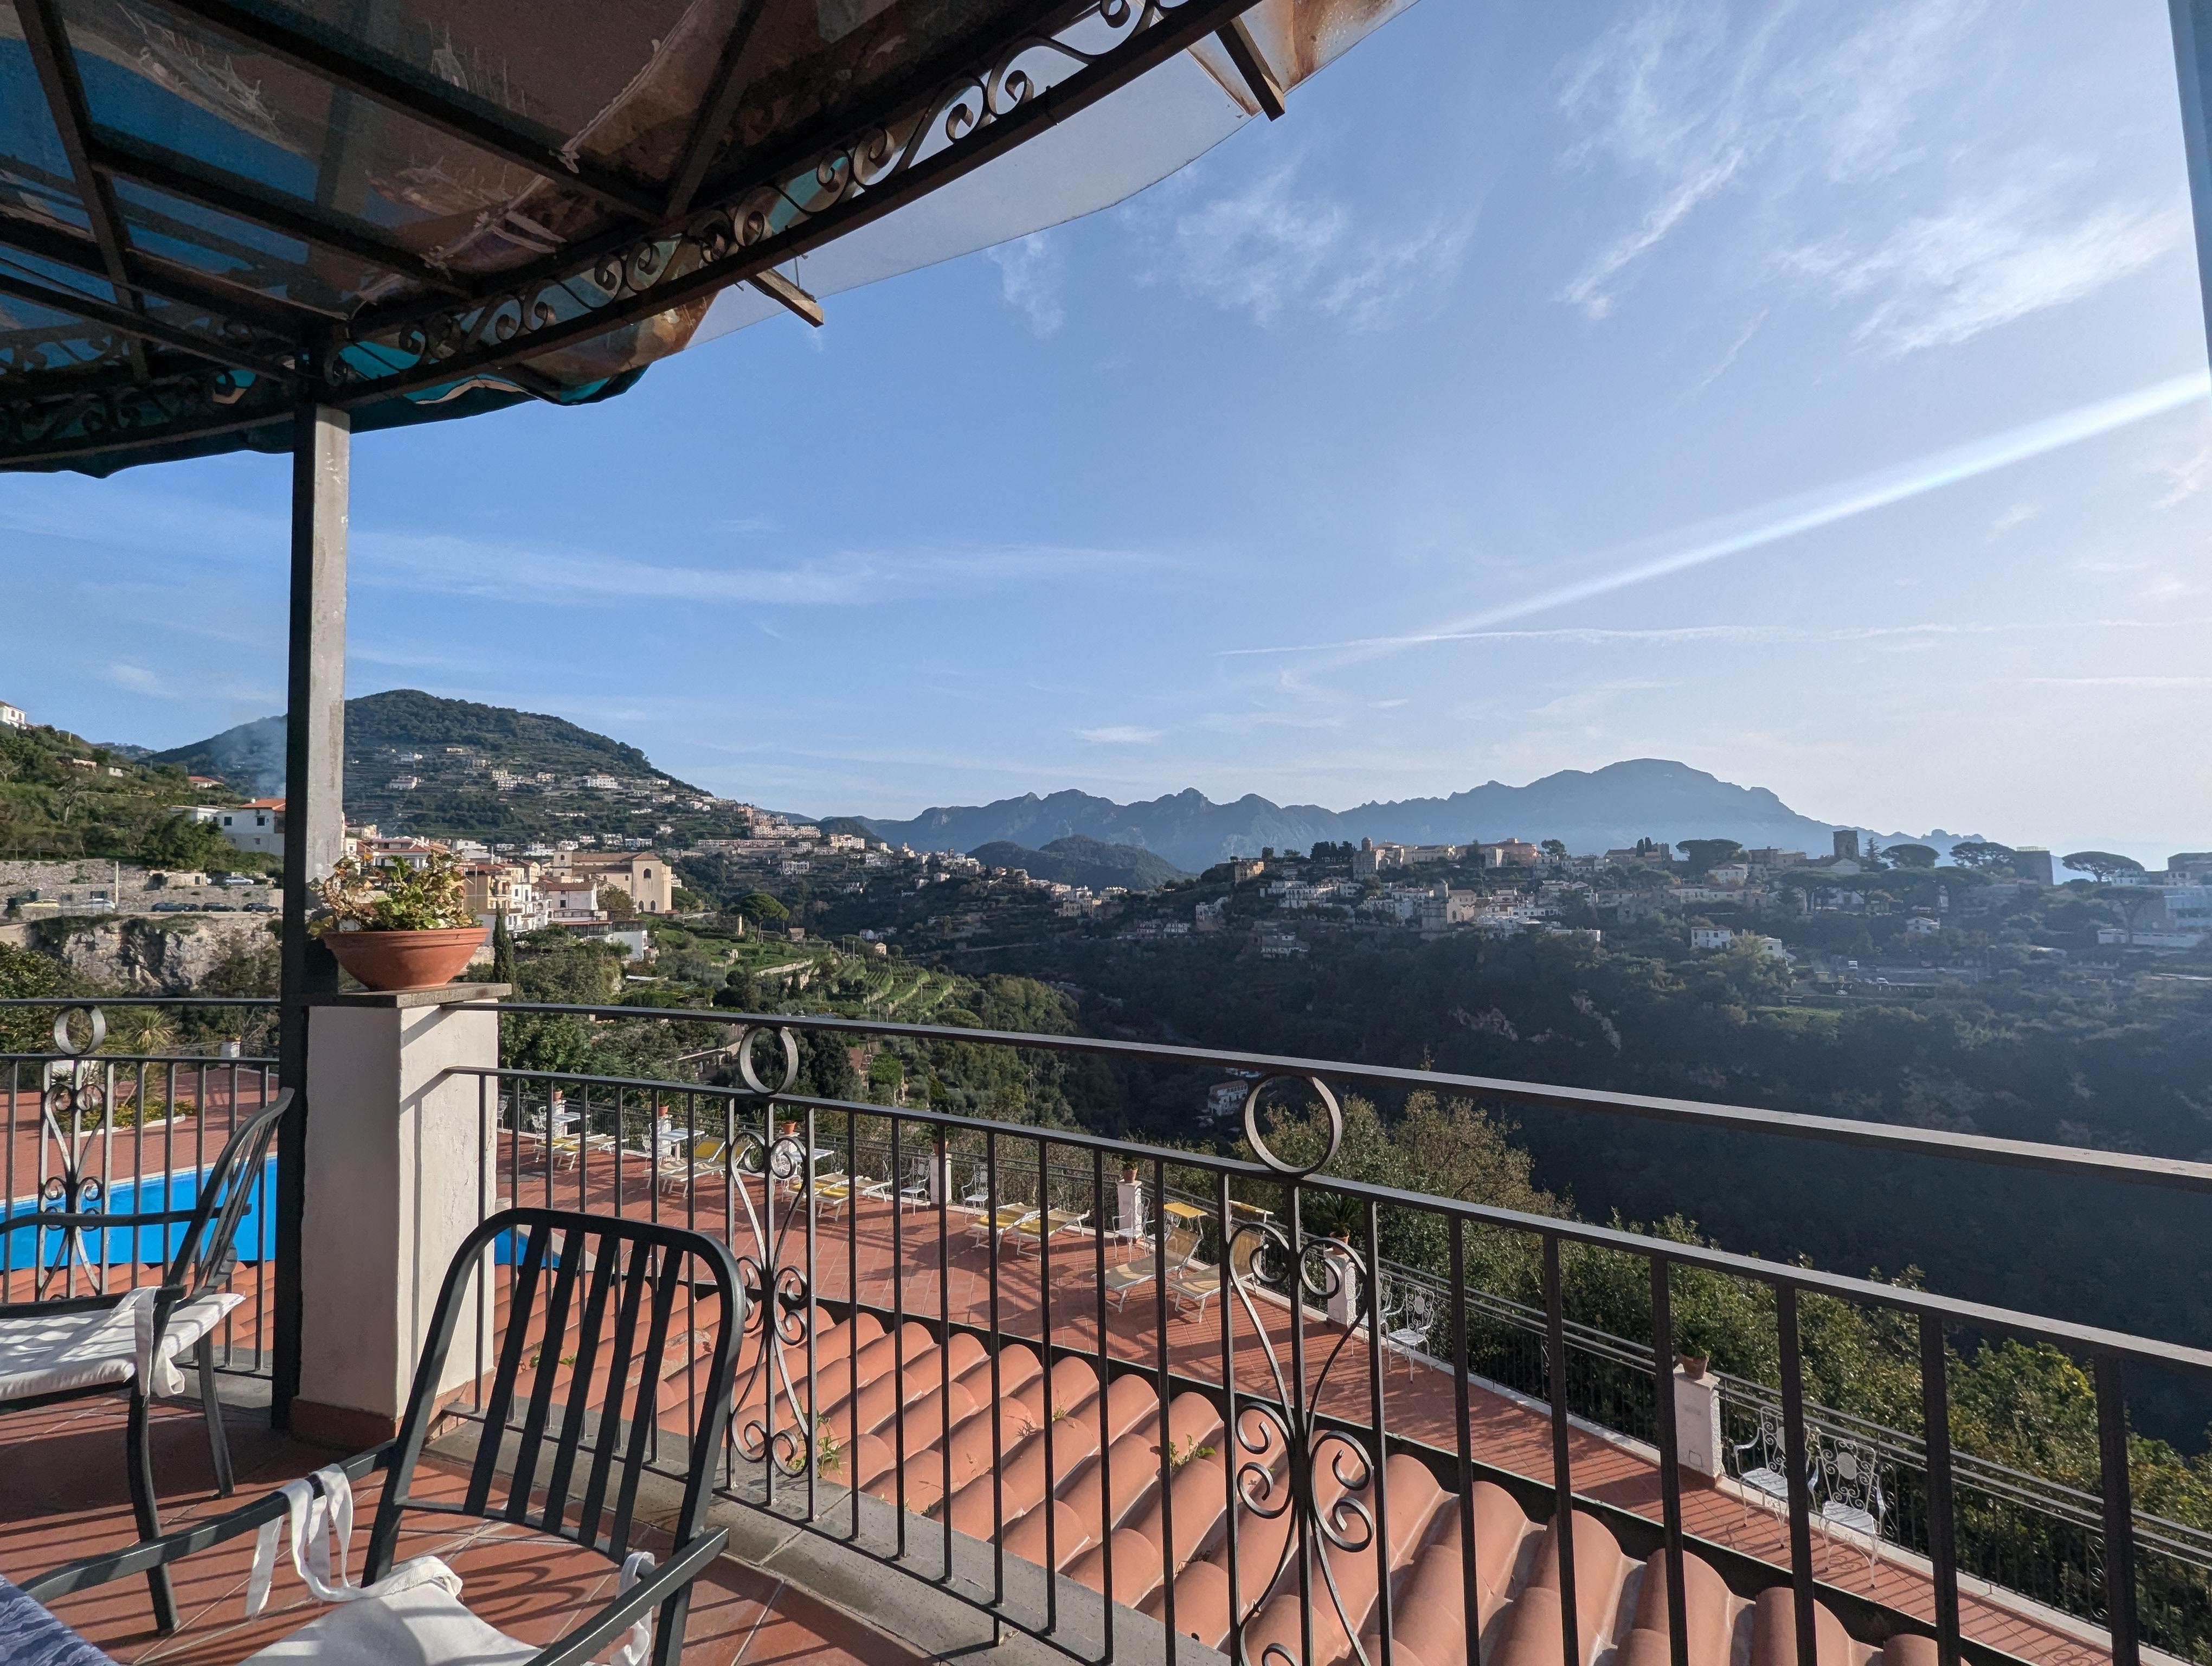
{"x":239,"y":879}
{"x":176,"y":908}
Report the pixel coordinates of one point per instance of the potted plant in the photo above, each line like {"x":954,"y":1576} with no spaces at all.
{"x":1128,"y":1174}
{"x":1692,"y":1352}
{"x":398,"y":927}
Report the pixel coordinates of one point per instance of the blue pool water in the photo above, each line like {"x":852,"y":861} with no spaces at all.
{"x":153,"y":1246}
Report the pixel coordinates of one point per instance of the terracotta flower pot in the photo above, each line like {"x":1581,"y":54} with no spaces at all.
{"x":406,"y":960}
{"x":1693,"y":1365}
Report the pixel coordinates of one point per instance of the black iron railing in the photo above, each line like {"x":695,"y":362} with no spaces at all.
{"x":124,"y":1111}
{"x":716,"y":1156}
{"x":1300,"y":1369}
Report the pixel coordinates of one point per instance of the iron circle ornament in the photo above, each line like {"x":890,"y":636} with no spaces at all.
{"x":744,"y":1050}
{"x":1333,"y":1111}
{"x":96,"y":1031}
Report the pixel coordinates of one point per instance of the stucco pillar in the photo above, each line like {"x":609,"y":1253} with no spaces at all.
{"x":399,"y":1170}
{"x":1698,"y":1423}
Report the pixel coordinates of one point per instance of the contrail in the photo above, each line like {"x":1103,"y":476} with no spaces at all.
{"x":1773,"y":522}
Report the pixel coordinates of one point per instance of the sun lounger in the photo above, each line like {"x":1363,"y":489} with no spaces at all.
{"x":1033,"y":1228}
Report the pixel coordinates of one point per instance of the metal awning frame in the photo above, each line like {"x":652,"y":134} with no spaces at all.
{"x":938,"y":123}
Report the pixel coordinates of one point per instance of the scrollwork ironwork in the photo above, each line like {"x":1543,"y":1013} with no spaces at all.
{"x":1330,"y":1109}
{"x":772,"y":216}
{"x":779,"y":1303}
{"x":73,"y":1111}
{"x":1283,"y":1445}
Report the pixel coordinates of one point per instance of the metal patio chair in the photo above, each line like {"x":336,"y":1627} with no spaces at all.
{"x":1762,"y":1464}
{"x":129,"y":1341}
{"x":541,"y":1443}
{"x":1409,"y":1310}
{"x":1849,"y":1477}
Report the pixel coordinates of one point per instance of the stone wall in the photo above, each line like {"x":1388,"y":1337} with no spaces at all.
{"x":147,"y":956}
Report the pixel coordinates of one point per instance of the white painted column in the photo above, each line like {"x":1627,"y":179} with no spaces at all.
{"x":1129,"y":1208}
{"x":1698,"y":1423}
{"x":1343,"y":1308}
{"x":399,"y":1170}
{"x":940,"y":1175}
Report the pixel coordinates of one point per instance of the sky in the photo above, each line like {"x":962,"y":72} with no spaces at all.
{"x":1814,"y":395}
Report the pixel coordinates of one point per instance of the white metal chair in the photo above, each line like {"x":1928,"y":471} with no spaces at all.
{"x":1850,"y":1476}
{"x":1409,"y":1312}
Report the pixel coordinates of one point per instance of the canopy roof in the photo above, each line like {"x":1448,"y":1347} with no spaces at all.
{"x":211,"y":210}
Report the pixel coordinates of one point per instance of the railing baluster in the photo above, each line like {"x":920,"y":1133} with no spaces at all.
{"x":1375,"y":1366}
{"x":1670,"y":1462}
{"x":941,"y":1155}
{"x":898,"y":1355}
{"x":998,"y":1341}
{"x":1105,"y":1433}
{"x":1044,"y":1338}
{"x":1935,"y":1426}
{"x":1301,"y":1454}
{"x":1562,"y":1483}
{"x":811,"y":1436}
{"x":852,"y":1321}
{"x":1798,"y":1464}
{"x":1470,"y":1566}
{"x":2119,"y":1513}
{"x":1166,"y":1389}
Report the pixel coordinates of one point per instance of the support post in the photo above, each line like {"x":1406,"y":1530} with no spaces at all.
{"x":315,"y":823}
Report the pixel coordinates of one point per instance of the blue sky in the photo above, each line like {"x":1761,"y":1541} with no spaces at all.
{"x":1814,"y":394}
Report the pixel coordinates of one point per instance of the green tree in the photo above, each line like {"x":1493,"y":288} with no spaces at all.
{"x":615,"y":902}
{"x":1555,"y":848}
{"x":1911,"y":855}
{"x":1982,"y":854}
{"x":2104,"y":865}
{"x":762,"y":908}
{"x":502,"y":949}
{"x":1707,"y":853}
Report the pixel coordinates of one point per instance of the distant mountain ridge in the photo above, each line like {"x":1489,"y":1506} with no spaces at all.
{"x":1591,"y":810}
{"x":382,"y":727}
{"x":1079,"y":860}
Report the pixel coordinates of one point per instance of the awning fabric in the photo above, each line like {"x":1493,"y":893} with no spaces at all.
{"x":212,"y":210}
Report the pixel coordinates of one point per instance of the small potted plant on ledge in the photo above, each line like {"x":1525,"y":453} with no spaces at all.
{"x":398,"y":927}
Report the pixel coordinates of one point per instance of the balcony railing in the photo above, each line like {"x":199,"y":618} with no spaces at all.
{"x":115,"y":1114}
{"x":980,"y":1352}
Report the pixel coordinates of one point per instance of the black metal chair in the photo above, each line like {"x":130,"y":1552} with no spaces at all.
{"x":569,"y":1468}
{"x":126,"y":1342}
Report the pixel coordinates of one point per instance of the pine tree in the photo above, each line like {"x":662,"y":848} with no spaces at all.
{"x":502,"y":949}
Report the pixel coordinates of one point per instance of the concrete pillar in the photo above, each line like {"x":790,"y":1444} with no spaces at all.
{"x":399,"y":1170}
{"x":1698,"y":1423}
{"x":314,"y":819}
{"x":1129,"y":1208}
{"x":940,"y":1175}
{"x":1344,"y":1306}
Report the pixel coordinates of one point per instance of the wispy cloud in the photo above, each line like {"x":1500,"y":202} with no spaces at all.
{"x":1028,"y":278}
{"x":1273,"y":250}
{"x":442,"y":563}
{"x":1119,"y":734}
{"x":137,"y":679}
{"x":1944,"y":277}
{"x":1773,"y":523}
{"x":1855,"y":143}
{"x":2124,"y":682}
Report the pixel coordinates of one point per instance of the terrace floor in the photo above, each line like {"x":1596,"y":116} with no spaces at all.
{"x":63,"y":1496}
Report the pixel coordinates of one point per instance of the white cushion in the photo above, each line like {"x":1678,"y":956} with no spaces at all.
{"x":428,"y":1626}
{"x":45,"y":1354}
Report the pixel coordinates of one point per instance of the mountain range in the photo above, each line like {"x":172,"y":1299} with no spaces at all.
{"x":1591,"y":810}
{"x":404,"y":733}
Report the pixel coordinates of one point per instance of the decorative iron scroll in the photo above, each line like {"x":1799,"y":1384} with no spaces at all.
{"x":770,"y":1419}
{"x":1282,"y":1448}
{"x":67,"y":1100}
{"x":1330,"y":1108}
{"x":163,"y":406}
{"x":769,"y":217}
